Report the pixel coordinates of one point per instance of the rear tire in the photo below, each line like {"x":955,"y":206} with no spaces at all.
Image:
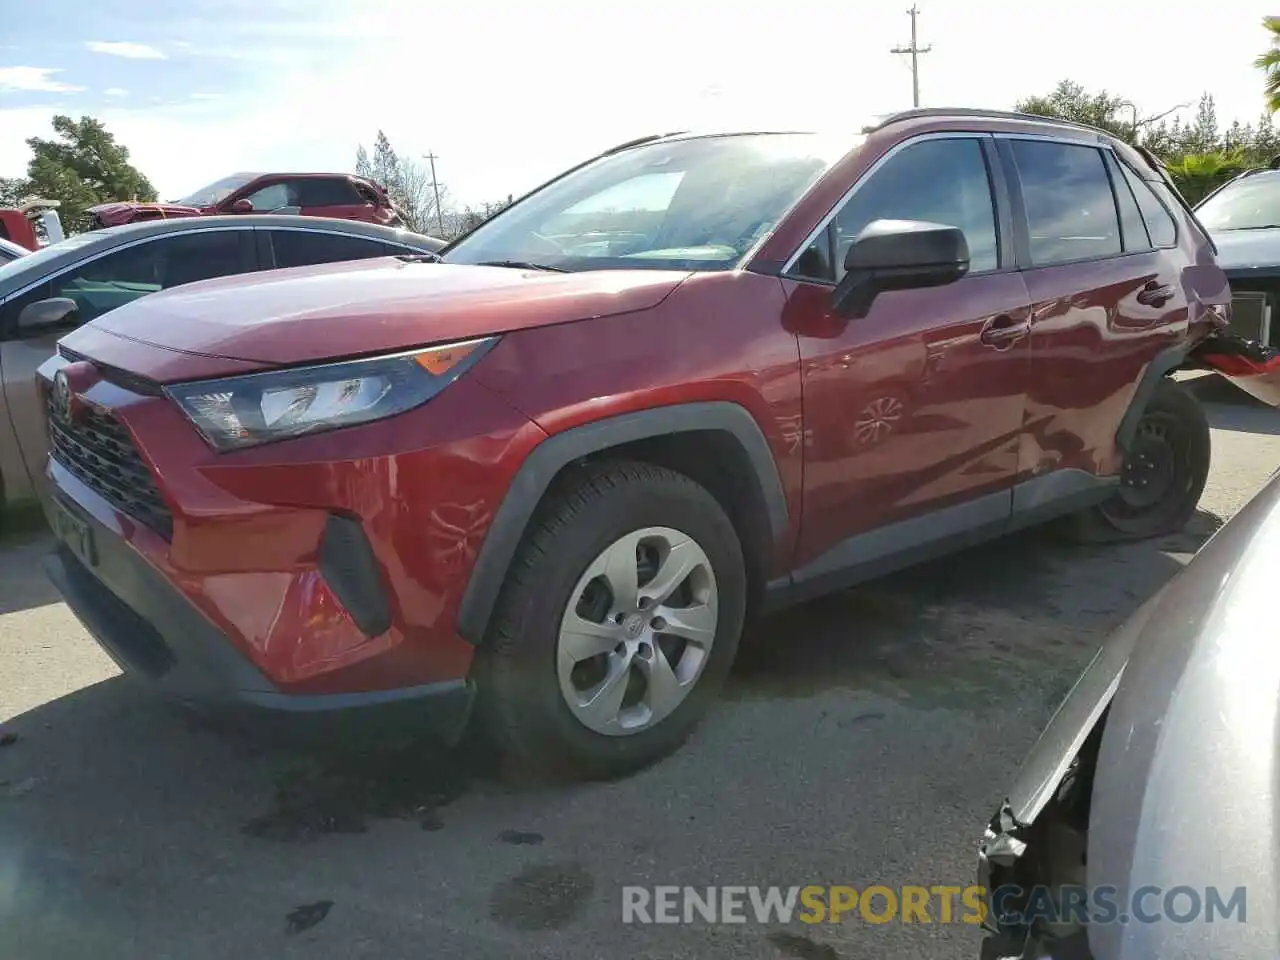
{"x":1162,"y":477}
{"x":543,"y":695}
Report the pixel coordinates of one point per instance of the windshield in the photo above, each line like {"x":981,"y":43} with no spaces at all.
{"x":1249,"y":204}
{"x":35,"y":261}
{"x":215,"y":192}
{"x":696,"y":204}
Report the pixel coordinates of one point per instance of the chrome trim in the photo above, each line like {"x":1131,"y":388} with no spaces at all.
{"x":214,"y":228}
{"x":867,"y":174}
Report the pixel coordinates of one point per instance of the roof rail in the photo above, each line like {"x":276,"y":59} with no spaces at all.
{"x":639,"y":140}
{"x":977,"y":112}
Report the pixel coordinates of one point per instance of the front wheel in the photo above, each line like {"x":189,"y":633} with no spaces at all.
{"x":619,"y":622}
{"x":1162,"y":477}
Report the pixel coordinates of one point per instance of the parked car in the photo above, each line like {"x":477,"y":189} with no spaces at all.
{"x":555,"y":472}
{"x":341,"y":196}
{"x":1243,"y":217}
{"x":32,"y":224}
{"x":11,"y":251}
{"x":1156,"y":774}
{"x":45,"y":294}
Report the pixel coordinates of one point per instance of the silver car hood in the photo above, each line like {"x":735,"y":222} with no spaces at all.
{"x":1185,"y":788}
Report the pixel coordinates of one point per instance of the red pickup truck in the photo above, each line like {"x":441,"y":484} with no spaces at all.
{"x":339,"y":195}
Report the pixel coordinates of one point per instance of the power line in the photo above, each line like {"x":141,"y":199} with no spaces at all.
{"x":915,"y":50}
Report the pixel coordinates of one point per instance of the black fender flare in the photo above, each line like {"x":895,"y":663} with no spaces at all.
{"x":550,"y":456}
{"x":1161,"y":365}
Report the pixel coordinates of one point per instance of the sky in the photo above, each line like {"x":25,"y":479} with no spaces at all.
{"x":507,"y":94}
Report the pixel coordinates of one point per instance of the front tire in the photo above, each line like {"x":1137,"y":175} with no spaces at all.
{"x":1162,"y":477}
{"x":617,"y":625}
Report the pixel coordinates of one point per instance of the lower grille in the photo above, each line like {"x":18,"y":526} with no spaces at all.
{"x":98,"y":451}
{"x":1251,"y":315}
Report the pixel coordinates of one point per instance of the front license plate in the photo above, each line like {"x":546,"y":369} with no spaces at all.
{"x":75,"y":533}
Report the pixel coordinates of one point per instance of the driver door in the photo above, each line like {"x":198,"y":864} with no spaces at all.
{"x":914,"y":411}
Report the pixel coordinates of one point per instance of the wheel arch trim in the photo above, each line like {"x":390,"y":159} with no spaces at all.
{"x":548,"y":458}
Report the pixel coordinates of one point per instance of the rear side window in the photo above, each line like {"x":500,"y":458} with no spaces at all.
{"x":1071,"y":213}
{"x":1160,"y":223}
{"x":296,"y":248}
{"x":1133,"y":229}
{"x":331,"y":192}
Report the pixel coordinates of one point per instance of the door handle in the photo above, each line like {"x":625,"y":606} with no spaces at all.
{"x":1001,"y":332}
{"x":1155,"y":294}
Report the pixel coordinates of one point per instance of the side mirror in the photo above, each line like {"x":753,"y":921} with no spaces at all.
{"x":898,"y":255}
{"x":243,"y":205}
{"x":46,"y":316}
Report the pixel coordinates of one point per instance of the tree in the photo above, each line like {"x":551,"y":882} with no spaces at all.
{"x":414,"y":194}
{"x":13,"y":190}
{"x":408,"y":183}
{"x":82,"y":167}
{"x":1118,"y":116}
{"x":1269,"y":64}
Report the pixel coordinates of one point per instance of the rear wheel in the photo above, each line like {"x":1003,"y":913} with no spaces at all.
{"x":1162,"y":477}
{"x":619,"y":621}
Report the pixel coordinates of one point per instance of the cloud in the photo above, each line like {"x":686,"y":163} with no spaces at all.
{"x":126,"y":49}
{"x":115,"y":92}
{"x":33,"y":79}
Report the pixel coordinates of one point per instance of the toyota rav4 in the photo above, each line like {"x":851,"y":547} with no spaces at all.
{"x":551,"y":473}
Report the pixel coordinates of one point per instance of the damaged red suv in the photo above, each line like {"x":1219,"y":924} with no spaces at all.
{"x":551,"y":474}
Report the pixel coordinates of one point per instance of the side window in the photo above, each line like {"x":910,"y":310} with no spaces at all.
{"x":942,"y":181}
{"x":1160,"y":223}
{"x":108,"y":282}
{"x":274,"y":197}
{"x":200,"y":256}
{"x":1133,"y":230}
{"x":297,"y":248}
{"x":326,"y":192}
{"x":1071,"y":213}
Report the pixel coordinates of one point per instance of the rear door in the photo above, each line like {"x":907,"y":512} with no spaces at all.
{"x":333,"y":197}
{"x":1106,"y":297}
{"x":99,"y":286}
{"x":282,"y":248}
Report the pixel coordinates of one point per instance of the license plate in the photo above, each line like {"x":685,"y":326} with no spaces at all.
{"x":75,"y":533}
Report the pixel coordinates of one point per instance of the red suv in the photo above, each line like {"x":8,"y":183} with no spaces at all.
{"x":337,"y":195}
{"x":692,"y":379}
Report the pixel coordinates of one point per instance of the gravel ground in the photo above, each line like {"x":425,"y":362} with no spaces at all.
{"x":864,"y":738}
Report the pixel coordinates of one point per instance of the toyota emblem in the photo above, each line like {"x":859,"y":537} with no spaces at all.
{"x":61,"y":394}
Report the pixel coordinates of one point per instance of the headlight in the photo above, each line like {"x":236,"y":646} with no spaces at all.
{"x":239,"y":412}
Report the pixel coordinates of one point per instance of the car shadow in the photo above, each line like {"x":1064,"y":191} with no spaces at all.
{"x":967,"y":630}
{"x":23,"y":584}
{"x":1230,"y":408}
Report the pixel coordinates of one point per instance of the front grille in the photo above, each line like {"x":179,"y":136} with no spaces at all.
{"x":98,"y":450}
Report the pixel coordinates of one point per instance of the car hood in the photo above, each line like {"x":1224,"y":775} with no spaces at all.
{"x":113,"y":214}
{"x":308,"y":314}
{"x":1248,"y":249}
{"x":1185,"y":785}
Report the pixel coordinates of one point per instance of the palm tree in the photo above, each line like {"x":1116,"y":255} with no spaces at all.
{"x":1269,"y":63}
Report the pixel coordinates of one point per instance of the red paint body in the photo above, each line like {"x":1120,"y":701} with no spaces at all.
{"x":369,"y":203}
{"x":581,"y":347}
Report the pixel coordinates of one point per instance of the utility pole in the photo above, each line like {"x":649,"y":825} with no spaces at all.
{"x":435,"y":188}
{"x":915,"y":50}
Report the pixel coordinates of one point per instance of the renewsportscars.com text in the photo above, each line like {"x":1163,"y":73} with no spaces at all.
{"x":943,"y":904}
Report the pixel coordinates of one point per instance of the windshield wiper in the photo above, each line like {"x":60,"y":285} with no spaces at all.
{"x":423,"y":257}
{"x":521,"y":265}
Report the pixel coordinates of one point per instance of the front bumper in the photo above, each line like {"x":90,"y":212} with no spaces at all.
{"x":158,"y":637}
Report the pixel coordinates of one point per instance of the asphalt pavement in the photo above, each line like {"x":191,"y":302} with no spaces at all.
{"x":865,"y":738}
